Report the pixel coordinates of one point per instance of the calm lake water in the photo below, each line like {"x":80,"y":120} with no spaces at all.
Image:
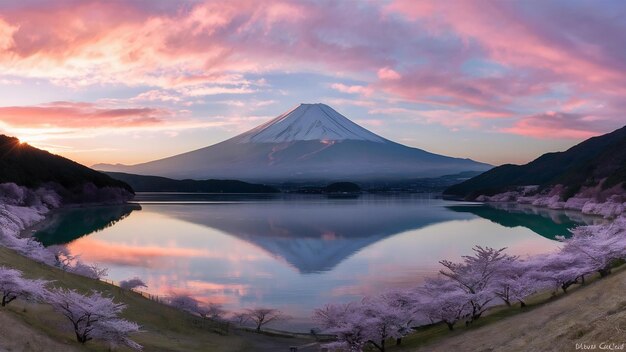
{"x":293,"y":253}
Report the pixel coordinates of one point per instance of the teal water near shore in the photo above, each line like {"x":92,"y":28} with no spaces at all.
{"x":294,"y":253}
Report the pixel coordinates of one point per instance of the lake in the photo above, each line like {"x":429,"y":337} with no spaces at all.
{"x":294,"y":253}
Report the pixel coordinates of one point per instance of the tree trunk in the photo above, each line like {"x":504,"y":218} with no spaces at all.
{"x":6,"y":299}
{"x":398,"y":341}
{"x":380,"y":347}
{"x":522,"y":304}
{"x":450,"y":326}
{"x":80,"y":338}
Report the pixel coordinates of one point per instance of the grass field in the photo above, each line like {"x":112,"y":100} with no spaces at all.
{"x":36,"y":327}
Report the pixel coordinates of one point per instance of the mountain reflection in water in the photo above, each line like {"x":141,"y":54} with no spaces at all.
{"x":295,"y":253}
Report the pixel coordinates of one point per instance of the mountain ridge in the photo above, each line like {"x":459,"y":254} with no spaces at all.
{"x":312,"y":142}
{"x":596,"y":162}
{"x":31,"y":167}
{"x":142,"y":183}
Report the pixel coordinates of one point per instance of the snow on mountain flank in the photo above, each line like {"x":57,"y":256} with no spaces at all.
{"x":310,"y":143}
{"x":308,"y":122}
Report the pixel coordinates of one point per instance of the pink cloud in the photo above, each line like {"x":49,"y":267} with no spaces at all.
{"x":558,"y":125}
{"x":407,"y":51}
{"x":134,"y":44}
{"x":79,"y":115}
{"x":351,"y":89}
{"x":455,"y":90}
{"x":387,"y":73}
{"x":548,"y":38}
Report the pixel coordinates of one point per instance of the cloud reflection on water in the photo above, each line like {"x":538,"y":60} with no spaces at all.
{"x":294,"y":254}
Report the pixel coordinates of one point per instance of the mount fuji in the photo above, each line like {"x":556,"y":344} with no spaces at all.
{"x":310,"y":143}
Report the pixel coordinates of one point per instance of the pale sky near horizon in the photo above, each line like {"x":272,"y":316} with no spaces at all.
{"x":133,"y":81}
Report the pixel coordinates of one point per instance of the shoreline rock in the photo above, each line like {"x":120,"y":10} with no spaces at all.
{"x":612,"y":207}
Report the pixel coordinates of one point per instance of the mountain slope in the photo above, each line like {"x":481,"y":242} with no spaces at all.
{"x":308,"y":122}
{"x":31,"y":167}
{"x":142,"y":183}
{"x":598,"y":159}
{"x":312,"y":142}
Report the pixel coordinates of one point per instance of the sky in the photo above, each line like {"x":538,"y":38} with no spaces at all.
{"x":133,"y":81}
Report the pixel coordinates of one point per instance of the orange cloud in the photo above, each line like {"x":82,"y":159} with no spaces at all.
{"x":79,"y":115}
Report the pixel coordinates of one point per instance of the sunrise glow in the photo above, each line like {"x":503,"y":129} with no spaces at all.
{"x":135,"y":81}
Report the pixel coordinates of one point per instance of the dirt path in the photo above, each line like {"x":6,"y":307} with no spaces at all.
{"x":591,"y":316}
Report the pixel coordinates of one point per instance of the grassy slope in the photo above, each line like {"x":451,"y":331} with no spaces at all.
{"x":166,"y":329}
{"x":588,"y":314}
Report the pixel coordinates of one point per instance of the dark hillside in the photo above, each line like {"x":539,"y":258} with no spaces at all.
{"x":585,"y":164}
{"x":28,"y":166}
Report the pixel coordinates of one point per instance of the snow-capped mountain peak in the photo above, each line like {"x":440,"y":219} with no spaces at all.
{"x":308,"y":122}
{"x":310,"y":143}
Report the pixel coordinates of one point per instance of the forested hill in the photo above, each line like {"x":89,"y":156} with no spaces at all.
{"x":141,"y":183}
{"x":28,"y":166}
{"x":598,"y":161}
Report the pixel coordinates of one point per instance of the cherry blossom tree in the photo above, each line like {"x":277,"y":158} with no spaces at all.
{"x":13,"y":285}
{"x":239,"y":318}
{"x":384,"y":319}
{"x":599,"y":246}
{"x":213,"y":311}
{"x":93,"y":316}
{"x":475,"y":276}
{"x":372,"y":321}
{"x":347,"y":323}
{"x":14,"y":219}
{"x":407,"y":307}
{"x":64,"y":259}
{"x":132,"y":284}
{"x":185,"y":302}
{"x":441,"y":300}
{"x":72,"y":263}
{"x":263,"y":316}
{"x":115,"y":333}
{"x":515,"y":281}
{"x":559,"y":269}
{"x":92,"y":271}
